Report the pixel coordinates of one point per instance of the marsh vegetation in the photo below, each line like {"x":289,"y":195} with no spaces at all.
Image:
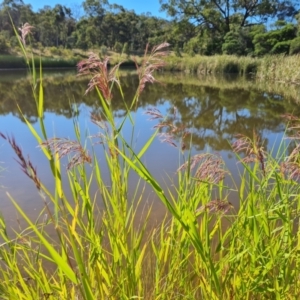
{"x":204,"y":248}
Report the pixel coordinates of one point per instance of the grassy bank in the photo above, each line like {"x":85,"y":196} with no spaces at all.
{"x":277,"y":68}
{"x":204,"y":248}
{"x":213,"y":64}
{"x":280,"y":69}
{"x":17,"y":62}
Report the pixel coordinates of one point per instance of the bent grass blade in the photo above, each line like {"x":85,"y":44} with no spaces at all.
{"x":60,"y":262}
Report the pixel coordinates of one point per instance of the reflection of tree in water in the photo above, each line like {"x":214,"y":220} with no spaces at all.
{"x":214,"y":115}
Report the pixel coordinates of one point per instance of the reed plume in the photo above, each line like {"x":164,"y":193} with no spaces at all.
{"x":150,"y":63}
{"x":251,"y":148}
{"x":25,"y":30}
{"x":102,"y":77}
{"x":210,"y":167}
{"x":26,"y":164}
{"x":217,"y":206}
{"x":63,"y":147}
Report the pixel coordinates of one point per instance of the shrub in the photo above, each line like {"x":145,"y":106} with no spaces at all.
{"x":295,"y":46}
{"x":281,"y":48}
{"x":177,"y":51}
{"x":103,"y":51}
{"x":234,"y":43}
{"x":55,"y":51}
{"x":14,"y":42}
{"x":3,"y":45}
{"x":125,"y":49}
{"x":189,"y":48}
{"x":118,"y":47}
{"x":70,"y":42}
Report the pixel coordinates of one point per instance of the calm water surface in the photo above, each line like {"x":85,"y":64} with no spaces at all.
{"x":213,"y":109}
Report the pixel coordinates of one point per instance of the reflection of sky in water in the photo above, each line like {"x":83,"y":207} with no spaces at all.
{"x":161,"y":159}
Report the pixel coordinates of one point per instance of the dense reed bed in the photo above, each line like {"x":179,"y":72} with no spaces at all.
{"x":204,"y":248}
{"x":213,"y":64}
{"x":279,"y":68}
{"x":272,"y":68}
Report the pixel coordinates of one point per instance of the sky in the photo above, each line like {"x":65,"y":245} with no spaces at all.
{"x":139,"y":6}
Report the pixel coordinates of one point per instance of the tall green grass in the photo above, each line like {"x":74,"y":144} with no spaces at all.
{"x":213,"y":64}
{"x":203,"y":249}
{"x":279,"y":68}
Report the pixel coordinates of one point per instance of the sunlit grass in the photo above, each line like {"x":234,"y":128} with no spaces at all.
{"x":278,"y":68}
{"x":204,"y":248}
{"x":213,"y":64}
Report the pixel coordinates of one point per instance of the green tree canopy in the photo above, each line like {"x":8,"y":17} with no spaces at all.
{"x":221,"y":14}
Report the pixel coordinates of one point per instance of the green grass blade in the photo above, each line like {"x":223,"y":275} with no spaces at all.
{"x":61,"y":263}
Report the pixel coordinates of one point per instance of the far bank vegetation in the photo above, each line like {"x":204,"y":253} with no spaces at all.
{"x":227,"y":40}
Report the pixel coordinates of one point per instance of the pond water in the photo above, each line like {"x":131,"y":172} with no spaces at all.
{"x":212,"y":109}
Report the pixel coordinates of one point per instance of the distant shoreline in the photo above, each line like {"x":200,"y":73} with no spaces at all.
{"x":277,"y":68}
{"x":11,"y":62}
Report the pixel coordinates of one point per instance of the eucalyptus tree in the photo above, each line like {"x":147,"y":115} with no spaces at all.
{"x":95,"y":11}
{"x":226,"y":21}
{"x":54,"y":25}
{"x":16,"y":12}
{"x":62,"y":16}
{"x":220,"y":14}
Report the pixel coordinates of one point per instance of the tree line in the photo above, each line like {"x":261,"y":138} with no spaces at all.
{"x":206,"y":27}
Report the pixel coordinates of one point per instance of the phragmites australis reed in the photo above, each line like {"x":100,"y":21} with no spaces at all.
{"x":26,"y":165}
{"x":216,"y":206}
{"x":25,"y":30}
{"x":103,"y":78}
{"x":209,"y":167}
{"x":150,"y":63}
{"x":101,"y":75}
{"x":251,"y":148}
{"x":64,"y":147}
